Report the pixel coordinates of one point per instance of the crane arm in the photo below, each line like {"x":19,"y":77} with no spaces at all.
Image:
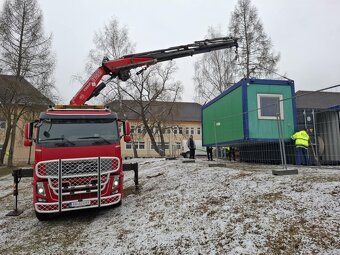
{"x":121,"y":67}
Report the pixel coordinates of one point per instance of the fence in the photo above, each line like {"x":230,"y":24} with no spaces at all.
{"x":268,"y":140}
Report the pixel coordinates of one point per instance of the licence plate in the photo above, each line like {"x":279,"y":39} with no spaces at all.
{"x":79,"y":203}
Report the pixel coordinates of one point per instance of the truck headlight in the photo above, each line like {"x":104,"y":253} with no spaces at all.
{"x":115,"y":181}
{"x":41,"y":189}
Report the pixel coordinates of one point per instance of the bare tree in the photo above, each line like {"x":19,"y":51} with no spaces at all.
{"x":153,"y":94}
{"x":111,"y":42}
{"x":214,"y":71}
{"x":154,"y":84}
{"x":256,"y":57}
{"x":24,"y":52}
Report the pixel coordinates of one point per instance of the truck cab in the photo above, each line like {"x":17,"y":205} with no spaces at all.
{"x":78,"y":162}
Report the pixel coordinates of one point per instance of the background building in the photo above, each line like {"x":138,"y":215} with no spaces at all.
{"x":20,"y":102}
{"x":176,"y":120}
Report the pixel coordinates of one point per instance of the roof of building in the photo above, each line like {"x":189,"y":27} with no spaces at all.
{"x":19,"y":91}
{"x":317,"y":100}
{"x":177,"y":111}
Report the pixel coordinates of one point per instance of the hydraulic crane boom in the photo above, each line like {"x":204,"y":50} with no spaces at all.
{"x":121,"y":67}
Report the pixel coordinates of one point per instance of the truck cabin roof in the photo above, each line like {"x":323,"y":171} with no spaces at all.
{"x":74,"y":114}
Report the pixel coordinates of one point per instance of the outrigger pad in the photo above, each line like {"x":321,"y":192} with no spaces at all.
{"x":217,"y":165}
{"x":188,"y":161}
{"x":285,"y":172}
{"x":15,"y":213}
{"x":170,"y":158}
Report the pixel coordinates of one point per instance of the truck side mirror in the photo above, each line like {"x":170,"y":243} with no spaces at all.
{"x":127,"y":138}
{"x":28,"y":134}
{"x":127,"y":128}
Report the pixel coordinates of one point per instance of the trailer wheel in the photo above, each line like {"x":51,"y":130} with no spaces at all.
{"x":43,"y":216}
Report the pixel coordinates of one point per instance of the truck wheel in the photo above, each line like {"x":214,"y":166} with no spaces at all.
{"x":118,"y":204}
{"x":43,"y":216}
{"x":187,"y":155}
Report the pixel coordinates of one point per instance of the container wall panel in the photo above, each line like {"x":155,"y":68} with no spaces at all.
{"x":268,"y":129}
{"x":222,"y":120}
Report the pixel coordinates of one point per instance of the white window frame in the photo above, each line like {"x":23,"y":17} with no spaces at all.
{"x":259,"y":115}
{"x":192,"y":131}
{"x":198,"y":130}
{"x":129,"y":144}
{"x":178,"y":145}
{"x":139,"y":146}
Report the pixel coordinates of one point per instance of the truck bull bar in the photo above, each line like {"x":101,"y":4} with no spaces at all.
{"x":26,"y":172}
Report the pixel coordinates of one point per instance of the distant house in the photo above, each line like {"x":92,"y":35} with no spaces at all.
{"x":18,"y":96}
{"x":319,"y":112}
{"x":178,"y":121}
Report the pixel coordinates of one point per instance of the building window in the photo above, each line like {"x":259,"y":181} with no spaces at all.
{"x":180,"y":130}
{"x":186,"y":130}
{"x":141,"y":145}
{"x":175,"y":130}
{"x":198,"y":130}
{"x":159,"y":145}
{"x":2,"y":124}
{"x":128,"y":146}
{"x":192,"y":131}
{"x":133,"y":128}
{"x":178,"y":145}
{"x":269,"y":105}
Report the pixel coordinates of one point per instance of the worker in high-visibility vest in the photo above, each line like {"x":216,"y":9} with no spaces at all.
{"x":301,"y":146}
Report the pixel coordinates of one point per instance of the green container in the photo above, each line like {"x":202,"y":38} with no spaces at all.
{"x":250,"y":111}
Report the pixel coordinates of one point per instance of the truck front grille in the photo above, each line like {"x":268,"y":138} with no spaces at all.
{"x":81,"y":177}
{"x":77,"y":167}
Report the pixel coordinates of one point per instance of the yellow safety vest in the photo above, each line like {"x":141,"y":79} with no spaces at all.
{"x":301,"y":139}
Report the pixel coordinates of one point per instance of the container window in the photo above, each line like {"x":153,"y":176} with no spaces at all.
{"x":269,"y":105}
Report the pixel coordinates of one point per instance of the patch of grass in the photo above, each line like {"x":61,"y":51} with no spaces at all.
{"x":271,"y":197}
{"x":5,"y":171}
{"x":289,"y":240}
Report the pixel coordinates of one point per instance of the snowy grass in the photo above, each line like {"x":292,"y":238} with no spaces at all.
{"x":191,"y":209}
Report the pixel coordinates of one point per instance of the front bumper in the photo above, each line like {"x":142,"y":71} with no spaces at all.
{"x":83,"y":204}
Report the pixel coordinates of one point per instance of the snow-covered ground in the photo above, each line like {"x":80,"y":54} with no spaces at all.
{"x":190,"y":208}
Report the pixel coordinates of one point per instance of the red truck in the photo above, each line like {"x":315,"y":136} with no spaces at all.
{"x":78,"y":162}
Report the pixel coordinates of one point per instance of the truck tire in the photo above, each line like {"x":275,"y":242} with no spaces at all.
{"x":43,"y":216}
{"x":118,"y":204}
{"x":187,"y":155}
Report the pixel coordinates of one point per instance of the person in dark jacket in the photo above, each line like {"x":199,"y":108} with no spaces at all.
{"x":209,"y":153}
{"x":192,"y":147}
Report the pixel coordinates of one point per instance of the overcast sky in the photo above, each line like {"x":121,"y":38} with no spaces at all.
{"x":305,"y":32}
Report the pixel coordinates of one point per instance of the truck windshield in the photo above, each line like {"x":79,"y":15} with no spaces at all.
{"x":77,"y":132}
